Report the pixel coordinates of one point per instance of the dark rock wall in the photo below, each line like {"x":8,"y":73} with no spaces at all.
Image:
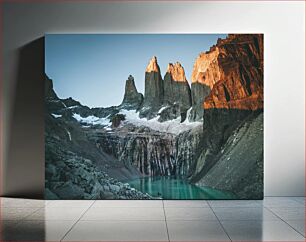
{"x":153,"y":154}
{"x":132,"y":98}
{"x":154,"y":94}
{"x":177,"y":92}
{"x":234,"y":160}
{"x":199,"y":92}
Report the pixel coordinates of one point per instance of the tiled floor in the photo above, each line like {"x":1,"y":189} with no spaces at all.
{"x":274,"y":219}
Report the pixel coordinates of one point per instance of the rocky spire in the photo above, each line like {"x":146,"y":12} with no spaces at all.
{"x":176,"y":87}
{"x":49,"y":91}
{"x":153,"y":66}
{"x":154,"y":89}
{"x":177,"y":72}
{"x":132,"y":98}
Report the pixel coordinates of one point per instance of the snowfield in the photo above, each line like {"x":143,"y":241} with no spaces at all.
{"x":92,"y":120}
{"x":132,"y":117}
{"x":172,"y":126}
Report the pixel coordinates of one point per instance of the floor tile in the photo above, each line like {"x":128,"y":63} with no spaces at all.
{"x":298,"y":225}
{"x":185,"y":203}
{"x":124,"y":214}
{"x":7,"y":227}
{"x":196,"y":231}
{"x":127,"y":203}
{"x":16,"y":213}
{"x":289,"y":213}
{"x":300,"y":200}
{"x":39,"y":230}
{"x":118,"y":231}
{"x":261,"y":231}
{"x":235,"y":203}
{"x":70,"y":203}
{"x":7,"y":223}
{"x":244,"y":214}
{"x":281,"y":202}
{"x":21,"y":203}
{"x":57,"y":214}
{"x":189,"y":214}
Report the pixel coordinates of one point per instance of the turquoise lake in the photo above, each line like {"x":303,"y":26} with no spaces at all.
{"x":173,"y":188}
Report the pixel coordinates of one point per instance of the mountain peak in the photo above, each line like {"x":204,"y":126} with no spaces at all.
{"x":132,"y":98}
{"x":203,"y":64}
{"x":153,"y":65}
{"x":177,"y":72}
{"x":239,"y":71}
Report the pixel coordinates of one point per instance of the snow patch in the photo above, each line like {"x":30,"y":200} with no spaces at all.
{"x":92,"y":120}
{"x":172,"y":126}
{"x":71,"y":107}
{"x":69,"y":134}
{"x":56,"y":115}
{"x":163,"y":108}
{"x":64,"y":104}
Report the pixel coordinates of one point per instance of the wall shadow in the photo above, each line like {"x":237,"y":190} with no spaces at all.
{"x":24,"y":167}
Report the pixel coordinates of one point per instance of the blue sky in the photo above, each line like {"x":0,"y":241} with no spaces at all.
{"x":93,"y":68}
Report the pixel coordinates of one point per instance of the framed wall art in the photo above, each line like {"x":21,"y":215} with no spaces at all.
{"x":154,"y":116}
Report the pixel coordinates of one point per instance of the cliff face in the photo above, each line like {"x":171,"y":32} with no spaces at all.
{"x":154,"y":89}
{"x":176,"y":87}
{"x":168,"y":98}
{"x":205,"y":74}
{"x":206,"y":68}
{"x":240,"y":72}
{"x":229,"y":75}
{"x":153,"y":153}
{"x":199,"y":92}
{"x":132,"y":99}
{"x":233,"y":108}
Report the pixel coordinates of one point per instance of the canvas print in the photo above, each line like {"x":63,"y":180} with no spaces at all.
{"x":154,"y":116}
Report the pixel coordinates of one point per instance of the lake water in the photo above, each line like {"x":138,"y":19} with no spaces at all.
{"x":173,"y":188}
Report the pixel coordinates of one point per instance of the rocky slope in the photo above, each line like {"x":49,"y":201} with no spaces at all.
{"x":239,"y":166}
{"x":75,"y":167}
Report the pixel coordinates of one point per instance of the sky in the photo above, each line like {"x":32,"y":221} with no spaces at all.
{"x":93,"y":68}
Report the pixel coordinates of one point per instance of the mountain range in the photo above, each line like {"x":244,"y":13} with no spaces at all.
{"x":209,"y":133}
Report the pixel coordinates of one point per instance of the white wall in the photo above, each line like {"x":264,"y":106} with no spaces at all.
{"x":283,"y":25}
